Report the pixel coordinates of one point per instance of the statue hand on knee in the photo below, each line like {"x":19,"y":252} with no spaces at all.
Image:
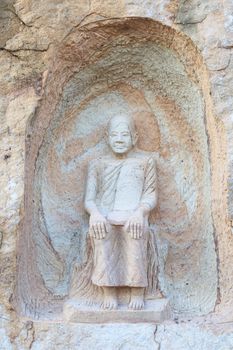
{"x":98,"y":227}
{"x":135,"y":225}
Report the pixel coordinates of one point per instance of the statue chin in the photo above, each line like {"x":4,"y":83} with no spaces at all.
{"x":119,"y":217}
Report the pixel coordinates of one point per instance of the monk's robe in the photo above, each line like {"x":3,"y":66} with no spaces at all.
{"x":119,"y":187}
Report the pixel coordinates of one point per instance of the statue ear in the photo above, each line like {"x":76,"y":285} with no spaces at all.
{"x":135,"y":138}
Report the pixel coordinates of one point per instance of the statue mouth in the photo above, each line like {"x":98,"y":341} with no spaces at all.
{"x":119,"y":146}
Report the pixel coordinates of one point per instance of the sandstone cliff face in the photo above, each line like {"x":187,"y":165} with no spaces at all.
{"x":31,"y":33}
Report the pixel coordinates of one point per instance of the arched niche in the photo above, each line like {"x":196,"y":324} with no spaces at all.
{"x":156,"y":73}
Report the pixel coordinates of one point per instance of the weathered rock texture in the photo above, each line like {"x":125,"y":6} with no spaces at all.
{"x":59,"y":76}
{"x":163,"y":83}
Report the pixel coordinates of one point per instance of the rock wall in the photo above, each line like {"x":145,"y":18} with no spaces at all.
{"x":31,"y":32}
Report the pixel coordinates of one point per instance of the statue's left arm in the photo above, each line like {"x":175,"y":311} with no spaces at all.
{"x":149,"y":196}
{"x":135,"y":224}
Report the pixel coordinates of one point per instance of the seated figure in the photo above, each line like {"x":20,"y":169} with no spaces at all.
{"x":120,"y":194}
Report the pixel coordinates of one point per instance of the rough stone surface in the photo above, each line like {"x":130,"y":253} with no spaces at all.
{"x":67,"y":131}
{"x":127,"y":336}
{"x":184,"y":337}
{"x":30,"y":31}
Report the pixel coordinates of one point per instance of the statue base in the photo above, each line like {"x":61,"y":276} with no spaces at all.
{"x":155,"y":311}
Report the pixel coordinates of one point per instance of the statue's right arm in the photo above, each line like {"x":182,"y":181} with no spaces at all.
{"x":97,"y":225}
{"x":91,"y":189}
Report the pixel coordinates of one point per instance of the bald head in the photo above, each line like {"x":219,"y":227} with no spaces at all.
{"x":122,"y":119}
{"x":122,"y":135}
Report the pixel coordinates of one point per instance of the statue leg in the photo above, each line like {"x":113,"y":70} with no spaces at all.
{"x":134,"y":260}
{"x":136,"y":298}
{"x":106,"y":260}
{"x":110,"y":298}
{"x":135,"y":252}
{"x":105,"y":272}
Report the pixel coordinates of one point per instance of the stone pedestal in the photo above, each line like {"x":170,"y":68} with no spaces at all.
{"x":156,"y":311}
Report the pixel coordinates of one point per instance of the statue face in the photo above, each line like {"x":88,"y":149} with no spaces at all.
{"x":119,"y":138}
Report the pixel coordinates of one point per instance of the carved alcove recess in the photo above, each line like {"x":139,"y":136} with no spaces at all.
{"x":157,"y":74}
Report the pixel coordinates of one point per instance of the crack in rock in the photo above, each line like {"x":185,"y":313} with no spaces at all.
{"x":158,"y":344}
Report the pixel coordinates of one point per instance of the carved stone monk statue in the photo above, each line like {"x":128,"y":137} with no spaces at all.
{"x":120,"y":194}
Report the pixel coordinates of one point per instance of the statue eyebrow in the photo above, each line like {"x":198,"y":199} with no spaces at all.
{"x":121,"y":132}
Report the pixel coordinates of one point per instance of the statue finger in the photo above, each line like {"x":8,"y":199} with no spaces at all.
{"x":138,"y":231}
{"x":103,"y":230}
{"x":100,"y":230}
{"x":96,"y":231}
{"x":130,"y":228}
{"x":141,"y":232}
{"x":92,"y":231}
{"x":135,"y":231}
{"x":107,"y":227}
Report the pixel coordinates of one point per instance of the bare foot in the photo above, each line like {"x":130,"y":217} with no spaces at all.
{"x":110,"y":298}
{"x":137,"y":299}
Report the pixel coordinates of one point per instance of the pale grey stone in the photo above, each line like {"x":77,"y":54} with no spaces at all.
{"x":97,"y":337}
{"x":191,"y":337}
{"x":156,"y":311}
{"x":5,"y":343}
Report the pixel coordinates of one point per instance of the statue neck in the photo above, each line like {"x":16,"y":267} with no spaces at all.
{"x":120,"y":156}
